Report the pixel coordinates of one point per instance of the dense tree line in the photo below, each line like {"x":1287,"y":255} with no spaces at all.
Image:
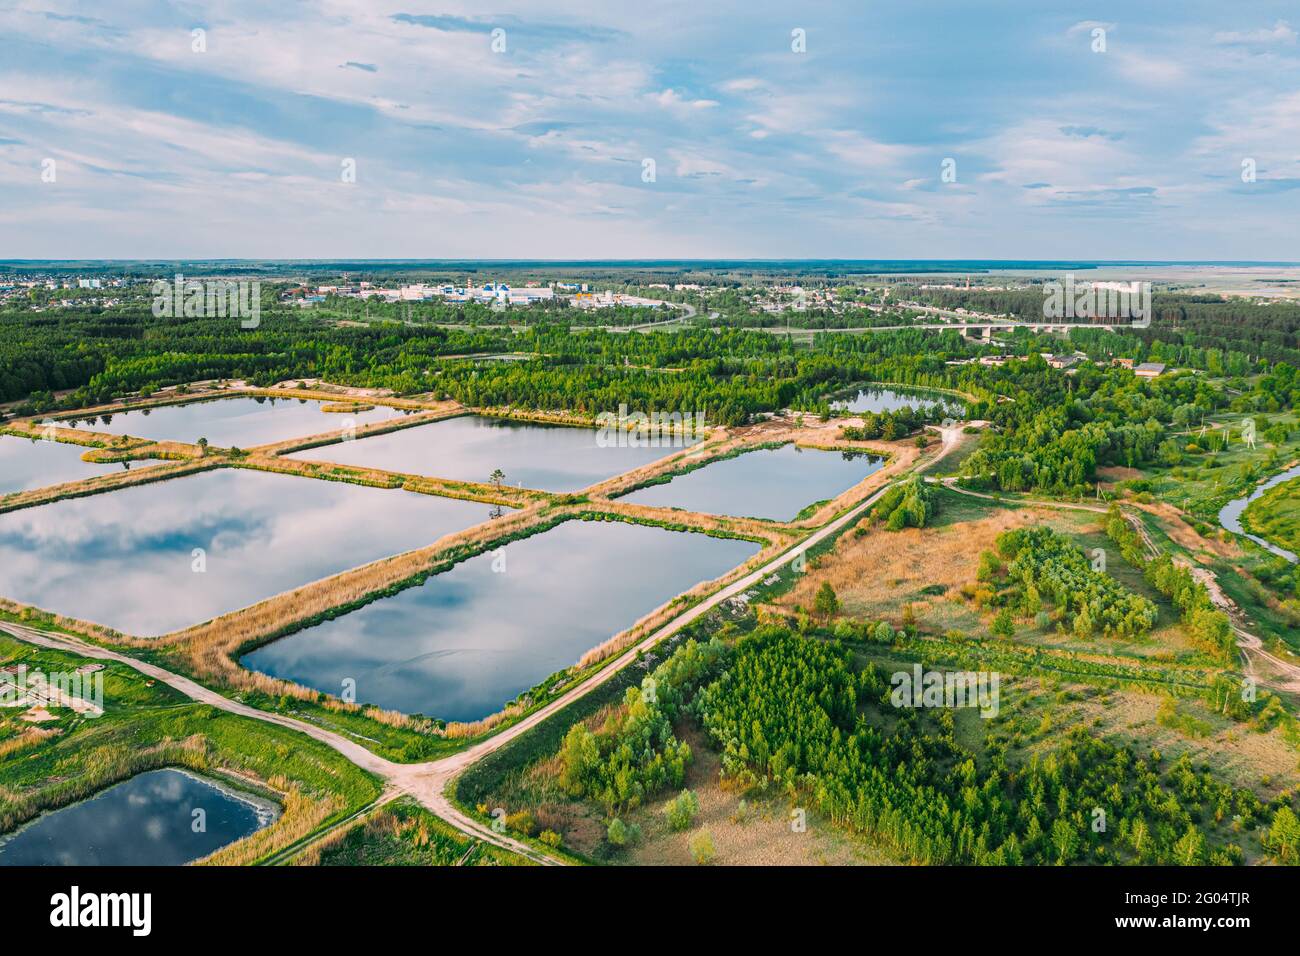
{"x":1058,"y":429}
{"x":1256,"y":332}
{"x":104,"y":353}
{"x":1050,"y":433}
{"x":892,"y":424}
{"x":793,"y":712}
{"x":1045,"y":562}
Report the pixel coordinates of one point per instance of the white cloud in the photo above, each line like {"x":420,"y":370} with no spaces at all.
{"x":1280,"y":32}
{"x":671,"y":99}
{"x":1148,"y":69}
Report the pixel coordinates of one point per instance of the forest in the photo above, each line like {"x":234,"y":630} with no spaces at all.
{"x":1048,"y":566}
{"x":795,"y":717}
{"x":1238,"y":332}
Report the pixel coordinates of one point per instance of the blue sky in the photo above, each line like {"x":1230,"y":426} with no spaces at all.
{"x":538,"y":150}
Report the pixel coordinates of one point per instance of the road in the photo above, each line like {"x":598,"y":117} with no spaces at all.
{"x":690,"y":314}
{"x":429,"y":782}
{"x":422,"y":781}
{"x":951,"y":485}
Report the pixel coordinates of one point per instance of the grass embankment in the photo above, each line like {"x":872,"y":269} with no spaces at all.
{"x":403,"y":833}
{"x":422,"y":416}
{"x":494,"y":781}
{"x":378,"y":478}
{"x":146,"y":726}
{"x":1275,"y":516}
{"x":99,"y":484}
{"x":208,"y":652}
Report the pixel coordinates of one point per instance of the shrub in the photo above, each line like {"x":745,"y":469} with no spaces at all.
{"x":622,"y":834}
{"x":522,"y":822}
{"x":681,"y":810}
{"x":1004,"y":624}
{"x":702,"y":849}
{"x":989,"y":566}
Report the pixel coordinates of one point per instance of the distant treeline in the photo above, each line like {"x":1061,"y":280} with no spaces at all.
{"x":1198,"y":323}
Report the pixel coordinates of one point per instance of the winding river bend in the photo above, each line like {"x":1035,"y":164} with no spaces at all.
{"x":1230,"y":515}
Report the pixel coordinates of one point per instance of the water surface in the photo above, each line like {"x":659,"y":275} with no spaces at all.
{"x":1230,"y":515}
{"x":774,"y":483}
{"x":873,"y":398}
{"x":469,"y":448}
{"x":145,"y":821}
{"x":26,"y":464}
{"x":125,"y":559}
{"x":235,"y":422}
{"x":470,"y":639}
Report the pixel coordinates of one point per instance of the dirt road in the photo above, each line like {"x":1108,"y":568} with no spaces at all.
{"x":429,"y":782}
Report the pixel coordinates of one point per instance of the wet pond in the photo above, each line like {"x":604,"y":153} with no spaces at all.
{"x":26,"y":463}
{"x":126,"y":559}
{"x":149,"y":820}
{"x":873,"y":398}
{"x":469,"y":448}
{"x":234,"y":422}
{"x":470,"y":639}
{"x":774,"y":483}
{"x":1230,"y":515}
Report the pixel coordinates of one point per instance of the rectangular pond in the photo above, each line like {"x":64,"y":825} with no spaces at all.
{"x":26,"y":463}
{"x":469,"y":448}
{"x":240,"y":422}
{"x":876,"y":398}
{"x":774,"y":483}
{"x":145,"y":821}
{"x":126,"y":559}
{"x":471,"y":639}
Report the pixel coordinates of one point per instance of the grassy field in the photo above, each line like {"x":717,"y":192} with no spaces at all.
{"x":403,"y":833}
{"x":1275,"y":516}
{"x":145,"y":725}
{"x":926,"y":575}
{"x":1260,"y":584}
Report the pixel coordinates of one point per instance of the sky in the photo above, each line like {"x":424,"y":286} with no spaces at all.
{"x":1017,"y":129}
